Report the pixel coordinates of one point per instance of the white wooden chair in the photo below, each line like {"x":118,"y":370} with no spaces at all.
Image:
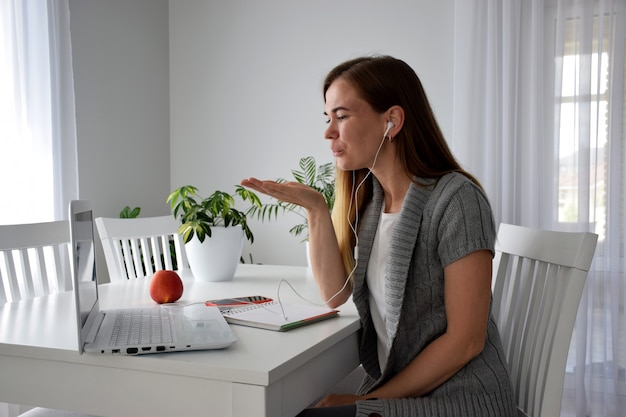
{"x":135,"y":248}
{"x":34,"y":261}
{"x":539,"y":277}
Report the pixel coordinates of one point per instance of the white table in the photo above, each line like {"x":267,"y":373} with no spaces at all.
{"x":264,"y":373}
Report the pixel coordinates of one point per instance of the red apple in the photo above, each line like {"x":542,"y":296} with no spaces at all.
{"x":166,"y":286}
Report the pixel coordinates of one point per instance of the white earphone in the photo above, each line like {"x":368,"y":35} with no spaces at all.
{"x":390,"y":125}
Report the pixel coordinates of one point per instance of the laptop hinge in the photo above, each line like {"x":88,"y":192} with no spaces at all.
{"x":94,"y":328}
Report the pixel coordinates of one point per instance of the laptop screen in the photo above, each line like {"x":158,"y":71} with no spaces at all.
{"x":84,"y":266}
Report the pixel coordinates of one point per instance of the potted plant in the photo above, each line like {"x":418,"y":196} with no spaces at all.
{"x":212,"y":229}
{"x":320,"y":177}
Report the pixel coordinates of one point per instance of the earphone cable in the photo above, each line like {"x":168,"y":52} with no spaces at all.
{"x":353,"y":228}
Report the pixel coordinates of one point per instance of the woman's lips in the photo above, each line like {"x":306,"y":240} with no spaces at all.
{"x":336,"y":152}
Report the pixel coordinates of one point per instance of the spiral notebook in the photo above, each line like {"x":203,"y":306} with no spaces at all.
{"x":277,"y":316}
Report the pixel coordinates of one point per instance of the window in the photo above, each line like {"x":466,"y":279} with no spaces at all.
{"x":591,"y":149}
{"x":583,"y":134}
{"x":25,"y":148}
{"x":38,"y":160}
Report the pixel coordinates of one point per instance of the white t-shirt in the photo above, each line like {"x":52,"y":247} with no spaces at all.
{"x":375,"y":276}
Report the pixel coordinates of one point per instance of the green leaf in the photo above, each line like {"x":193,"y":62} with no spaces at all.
{"x":127,"y":213}
{"x":186,"y":232}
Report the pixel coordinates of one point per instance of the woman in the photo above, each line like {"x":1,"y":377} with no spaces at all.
{"x":411,"y":239}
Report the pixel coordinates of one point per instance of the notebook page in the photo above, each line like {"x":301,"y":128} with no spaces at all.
{"x":271,"y":316}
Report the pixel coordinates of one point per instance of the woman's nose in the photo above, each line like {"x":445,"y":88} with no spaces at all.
{"x":331,"y":131}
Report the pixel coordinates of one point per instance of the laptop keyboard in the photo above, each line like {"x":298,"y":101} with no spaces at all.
{"x":139,"y":327}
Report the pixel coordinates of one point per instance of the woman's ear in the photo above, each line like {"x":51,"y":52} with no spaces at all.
{"x":396,"y":116}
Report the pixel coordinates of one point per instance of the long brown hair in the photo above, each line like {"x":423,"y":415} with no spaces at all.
{"x":383,"y":82}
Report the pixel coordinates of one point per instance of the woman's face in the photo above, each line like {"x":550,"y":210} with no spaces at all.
{"x":355,"y":130}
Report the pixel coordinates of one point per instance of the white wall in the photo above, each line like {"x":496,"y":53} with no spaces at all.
{"x":245,"y":86}
{"x":121,"y":79}
{"x":121,"y":76}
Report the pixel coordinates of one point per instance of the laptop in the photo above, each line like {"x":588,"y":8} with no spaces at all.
{"x":179,"y":327}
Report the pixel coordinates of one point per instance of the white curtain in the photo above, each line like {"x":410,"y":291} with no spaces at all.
{"x":539,"y":118}
{"x":38,"y":157}
{"x":38,"y":154}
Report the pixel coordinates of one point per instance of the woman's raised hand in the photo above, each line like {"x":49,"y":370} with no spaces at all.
{"x":289,"y":192}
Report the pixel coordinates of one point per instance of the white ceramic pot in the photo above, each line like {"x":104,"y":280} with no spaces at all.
{"x":216,"y":258}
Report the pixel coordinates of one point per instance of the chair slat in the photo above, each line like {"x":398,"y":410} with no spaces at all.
{"x":11,"y":277}
{"x":62,"y":275}
{"x":542,"y":337}
{"x":181,"y":257}
{"x":136,"y":257}
{"x":128,"y":259}
{"x":164,"y":242}
{"x":529,"y":338}
{"x":3,"y":288}
{"x":148,"y":256}
{"x":114,"y":251}
{"x":39,"y":262}
{"x":27,"y":280}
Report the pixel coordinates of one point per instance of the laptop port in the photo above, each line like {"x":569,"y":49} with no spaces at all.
{"x":160,"y":348}
{"x":132,"y":351}
{"x":146,"y":349}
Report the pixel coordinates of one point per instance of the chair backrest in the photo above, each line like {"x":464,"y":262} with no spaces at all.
{"x":135,"y":248}
{"x":539,"y":277}
{"x":34,"y":260}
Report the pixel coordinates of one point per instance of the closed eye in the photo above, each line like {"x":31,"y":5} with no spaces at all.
{"x":335,"y":111}
{"x":338,"y":118}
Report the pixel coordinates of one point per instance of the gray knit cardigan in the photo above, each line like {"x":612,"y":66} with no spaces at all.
{"x":437,"y":225}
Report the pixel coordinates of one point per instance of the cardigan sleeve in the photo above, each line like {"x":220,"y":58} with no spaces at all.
{"x":466,"y":223}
